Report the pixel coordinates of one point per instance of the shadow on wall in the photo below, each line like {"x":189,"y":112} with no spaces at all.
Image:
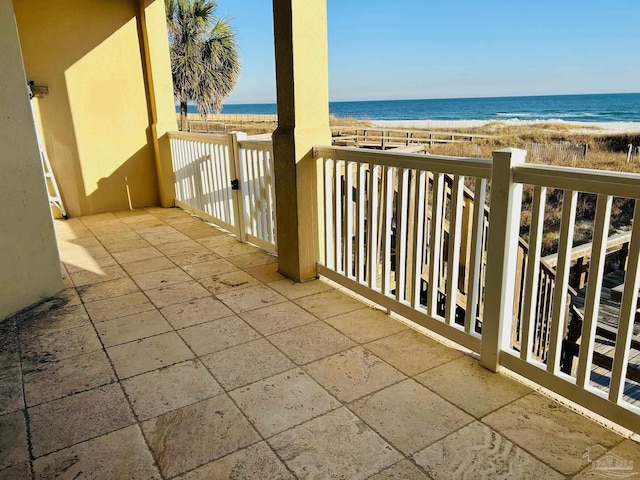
{"x":95,"y":118}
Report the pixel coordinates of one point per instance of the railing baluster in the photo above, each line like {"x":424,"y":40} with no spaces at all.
{"x":416,"y":250}
{"x":372,"y":227}
{"x":401,"y":233}
{"x":436,"y":245}
{"x":361,"y":254}
{"x":348,"y":216}
{"x":530,"y":308}
{"x":338,"y":215}
{"x":627,"y":313}
{"x":387,"y":203}
{"x":594,"y":282}
{"x":569,"y":202}
{"x":475,"y":256}
{"x":328,"y":215}
{"x":453,"y":261}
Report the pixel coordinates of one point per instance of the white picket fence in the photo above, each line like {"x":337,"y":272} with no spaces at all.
{"x":227,"y":179}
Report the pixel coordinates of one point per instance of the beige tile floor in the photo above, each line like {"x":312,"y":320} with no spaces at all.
{"x":177,"y":352}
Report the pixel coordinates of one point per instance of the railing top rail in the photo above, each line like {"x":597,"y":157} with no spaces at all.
{"x":217,"y":138}
{"x":264,"y":145}
{"x":580,"y":251}
{"x":471,"y":167}
{"x":579,"y":179}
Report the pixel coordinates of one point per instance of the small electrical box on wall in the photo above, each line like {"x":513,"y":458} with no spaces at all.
{"x":38,"y":91}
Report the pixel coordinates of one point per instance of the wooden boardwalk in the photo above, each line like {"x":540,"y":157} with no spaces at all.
{"x":605,"y":344}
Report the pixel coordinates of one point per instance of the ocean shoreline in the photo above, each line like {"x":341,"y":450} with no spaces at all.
{"x":577,"y":127}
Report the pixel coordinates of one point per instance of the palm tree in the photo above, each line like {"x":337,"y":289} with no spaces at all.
{"x":205,"y":63}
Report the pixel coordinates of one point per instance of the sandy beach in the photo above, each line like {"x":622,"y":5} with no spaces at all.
{"x":580,"y":127}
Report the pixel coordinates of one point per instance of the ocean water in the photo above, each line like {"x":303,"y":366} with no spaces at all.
{"x":621,"y":107}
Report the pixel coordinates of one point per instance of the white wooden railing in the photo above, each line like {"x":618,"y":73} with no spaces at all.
{"x":384,"y":224}
{"x":227,"y":179}
{"x":411,"y":233}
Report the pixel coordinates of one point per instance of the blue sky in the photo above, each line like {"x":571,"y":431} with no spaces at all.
{"x":383,"y":49}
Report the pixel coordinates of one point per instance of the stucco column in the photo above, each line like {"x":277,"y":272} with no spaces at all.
{"x":29,"y":264}
{"x":300,"y":30}
{"x":152,"y":25}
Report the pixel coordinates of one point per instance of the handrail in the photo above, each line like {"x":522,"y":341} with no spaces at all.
{"x":200,"y":137}
{"x":579,"y":179}
{"x":585,"y":249}
{"x":471,"y":167}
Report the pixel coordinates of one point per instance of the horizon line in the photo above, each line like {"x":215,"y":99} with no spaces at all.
{"x":450,"y":98}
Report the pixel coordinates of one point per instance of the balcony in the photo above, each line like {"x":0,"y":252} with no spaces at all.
{"x":177,"y":349}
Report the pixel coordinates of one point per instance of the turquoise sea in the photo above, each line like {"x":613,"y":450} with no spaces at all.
{"x":620,"y":107}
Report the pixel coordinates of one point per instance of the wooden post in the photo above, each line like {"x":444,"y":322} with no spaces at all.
{"x":502,"y":251}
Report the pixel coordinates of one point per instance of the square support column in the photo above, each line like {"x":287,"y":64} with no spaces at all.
{"x":29,"y":265}
{"x":300,"y":31}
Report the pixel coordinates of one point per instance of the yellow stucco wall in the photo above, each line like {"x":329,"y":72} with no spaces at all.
{"x":29,"y":264}
{"x":96,"y":120}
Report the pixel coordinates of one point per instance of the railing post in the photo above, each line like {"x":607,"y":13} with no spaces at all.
{"x":239,"y":193}
{"x":502,"y":246}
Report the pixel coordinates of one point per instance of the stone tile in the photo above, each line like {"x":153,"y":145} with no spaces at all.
{"x":254,"y":462}
{"x":194,"y":257}
{"x":127,"y":245}
{"x":66,"y":298}
{"x":207,"y":269}
{"x":412,"y":353}
{"x":404,"y":470}
{"x":131,"y":217}
{"x":216,"y":241}
{"x":119,"y":454}
{"x":178,"y":293}
{"x":249,"y":260}
{"x":148,"y":354}
{"x":64,"y":422}
{"x":352,"y":374}
{"x":160,"y":391}
{"x":217,"y":335}
{"x":197,"y":434}
{"x":141,"y":226}
{"x":109,"y":239}
{"x":137,"y":255}
{"x":251,"y":298}
{"x":336,"y":445}
{"x":527,"y":422}
{"x":472,"y":387}
{"x":49,"y":381}
{"x":329,"y":304}
{"x":59,"y":345}
{"x":265,"y":273}
{"x":293,"y":290}
{"x":278,"y":403}
{"x":171,"y":238}
{"x":134,"y":327}
{"x":125,"y":305}
{"x":194,"y":312}
{"x":13,"y":439}
{"x":53,"y":320}
{"x":11,"y":398}
{"x":627,"y":450}
{"x":366,"y":325}
{"x":247,"y":363}
{"x":410,"y":416}
{"x":87,"y":277}
{"x":277,"y":318}
{"x":227,"y":282}
{"x":81,"y":261}
{"x":181,"y":246}
{"x":108,"y":289}
{"x":204,"y":231}
{"x":21,"y":471}
{"x":150,"y":265}
{"x":9,"y":347}
{"x":310,"y":342}
{"x":160,"y":278}
{"x":476,"y":451}
{"x":234,"y":249}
